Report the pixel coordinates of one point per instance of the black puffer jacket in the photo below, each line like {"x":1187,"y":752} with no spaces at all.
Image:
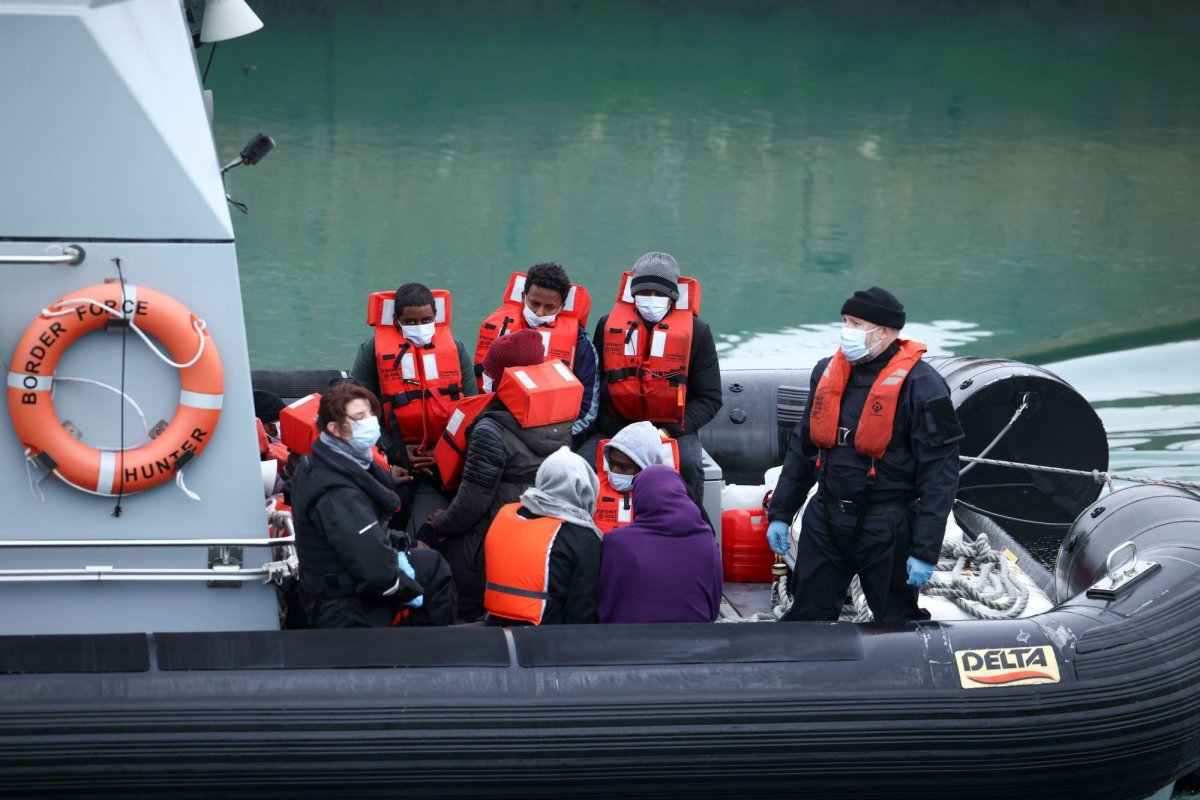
{"x":501,"y":462}
{"x":341,"y":513}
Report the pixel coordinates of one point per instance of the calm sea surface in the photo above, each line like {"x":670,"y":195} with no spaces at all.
{"x":1025,"y":176}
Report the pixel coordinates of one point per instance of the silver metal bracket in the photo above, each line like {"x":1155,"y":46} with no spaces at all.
{"x":225,"y":559}
{"x":1120,"y":579}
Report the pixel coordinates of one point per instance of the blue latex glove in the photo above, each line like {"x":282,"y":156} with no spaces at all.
{"x":407,"y":568}
{"x":777,"y":536}
{"x":919,"y":572}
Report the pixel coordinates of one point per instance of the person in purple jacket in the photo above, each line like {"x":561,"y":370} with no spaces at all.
{"x":664,"y":566}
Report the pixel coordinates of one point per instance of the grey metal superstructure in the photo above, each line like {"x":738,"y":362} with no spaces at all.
{"x":106,"y":145}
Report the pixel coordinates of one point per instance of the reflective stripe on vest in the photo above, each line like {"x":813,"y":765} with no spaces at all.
{"x":517,"y":554}
{"x":451,"y":450}
{"x":558,"y":339}
{"x":647,"y":380}
{"x":874,"y":430}
{"x":418,"y":385}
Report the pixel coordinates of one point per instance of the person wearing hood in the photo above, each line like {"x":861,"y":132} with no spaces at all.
{"x":635,"y":447}
{"x":658,"y":363}
{"x":502,"y":461}
{"x":351,"y":572}
{"x":880,"y":439}
{"x":543,"y":553}
{"x":664,"y":566}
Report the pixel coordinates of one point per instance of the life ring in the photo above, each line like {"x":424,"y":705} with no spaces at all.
{"x":146,"y":311}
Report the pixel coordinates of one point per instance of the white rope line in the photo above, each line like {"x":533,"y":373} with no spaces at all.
{"x":198,"y":325}
{"x":1099,"y":476}
{"x":34,"y":489}
{"x":114,"y":390}
{"x":183,"y":486}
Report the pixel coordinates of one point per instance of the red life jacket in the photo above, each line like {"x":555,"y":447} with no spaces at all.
{"x":559,"y":337}
{"x":615,"y":509}
{"x":874,"y":430}
{"x":451,"y":450}
{"x":646,"y":366}
{"x":517,"y":554}
{"x":418,"y":385}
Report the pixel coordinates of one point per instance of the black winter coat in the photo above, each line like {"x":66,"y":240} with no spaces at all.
{"x":341,"y":513}
{"x":921,"y":461}
{"x":502,"y":462}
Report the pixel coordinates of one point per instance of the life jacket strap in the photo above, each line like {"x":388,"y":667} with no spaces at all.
{"x":499,"y":587}
{"x":404,"y":398}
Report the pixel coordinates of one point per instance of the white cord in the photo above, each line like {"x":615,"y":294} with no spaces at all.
{"x":34,"y":489}
{"x":114,"y":390}
{"x":198,"y":325}
{"x":183,"y":486}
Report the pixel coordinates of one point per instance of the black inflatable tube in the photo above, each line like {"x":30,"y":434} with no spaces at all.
{"x":821,"y":709}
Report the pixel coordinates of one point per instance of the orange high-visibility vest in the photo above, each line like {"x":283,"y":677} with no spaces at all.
{"x":558,"y":338}
{"x":418,"y":385}
{"x":517,"y":554}
{"x":646,"y":366}
{"x":874,"y":430}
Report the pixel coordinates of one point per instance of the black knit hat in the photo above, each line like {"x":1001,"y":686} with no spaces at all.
{"x":876,"y":305}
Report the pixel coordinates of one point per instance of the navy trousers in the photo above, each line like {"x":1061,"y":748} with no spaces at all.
{"x":827,"y":560}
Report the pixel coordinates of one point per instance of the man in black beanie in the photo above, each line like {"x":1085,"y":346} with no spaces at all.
{"x":880,"y":439}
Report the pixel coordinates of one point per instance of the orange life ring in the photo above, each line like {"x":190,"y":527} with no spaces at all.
{"x":31,"y":377}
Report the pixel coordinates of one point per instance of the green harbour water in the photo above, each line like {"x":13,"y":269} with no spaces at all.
{"x":1024,"y":175}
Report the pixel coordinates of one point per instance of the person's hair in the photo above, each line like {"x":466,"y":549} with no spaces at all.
{"x":549,"y":276}
{"x":413,"y":294}
{"x":333,"y":403}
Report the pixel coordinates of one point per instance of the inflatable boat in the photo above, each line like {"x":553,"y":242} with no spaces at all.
{"x":140,"y":644}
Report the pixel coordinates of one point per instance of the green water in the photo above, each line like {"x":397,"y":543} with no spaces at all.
{"x":1025,"y":176}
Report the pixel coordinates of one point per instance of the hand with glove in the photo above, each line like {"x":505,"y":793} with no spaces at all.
{"x":777,"y":536}
{"x":407,"y":568}
{"x":919,"y":572}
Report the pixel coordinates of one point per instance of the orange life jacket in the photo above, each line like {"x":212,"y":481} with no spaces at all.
{"x":874,"y":429}
{"x":517,"y":554}
{"x":298,"y":423}
{"x":418,"y":385}
{"x":450,"y":452}
{"x":646,"y":366}
{"x":558,"y":338}
{"x":613,"y":508}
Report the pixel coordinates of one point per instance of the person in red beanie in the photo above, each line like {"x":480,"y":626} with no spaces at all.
{"x":502,"y":462}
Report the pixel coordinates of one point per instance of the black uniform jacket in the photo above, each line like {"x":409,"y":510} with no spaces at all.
{"x":921,"y":460}
{"x":341,"y":513}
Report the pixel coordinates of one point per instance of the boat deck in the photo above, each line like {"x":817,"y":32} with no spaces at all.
{"x":746,"y":599}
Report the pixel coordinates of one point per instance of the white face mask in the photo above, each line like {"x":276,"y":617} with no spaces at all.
{"x":854,"y":343}
{"x":534,"y":321}
{"x":622,"y":483}
{"x":420,"y":335}
{"x":652,"y":309}
{"x":364,"y":433}
{"x":487,"y":383}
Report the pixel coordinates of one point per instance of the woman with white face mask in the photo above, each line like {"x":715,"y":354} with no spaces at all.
{"x":352,"y":574}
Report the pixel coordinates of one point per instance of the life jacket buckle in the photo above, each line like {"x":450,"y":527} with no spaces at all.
{"x":844,"y":436}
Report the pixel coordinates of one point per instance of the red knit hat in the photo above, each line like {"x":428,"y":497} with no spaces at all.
{"x":521,"y":349}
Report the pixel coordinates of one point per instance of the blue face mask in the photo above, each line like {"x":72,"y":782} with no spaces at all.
{"x":364,"y":433}
{"x":854,"y":343}
{"x":622,"y":483}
